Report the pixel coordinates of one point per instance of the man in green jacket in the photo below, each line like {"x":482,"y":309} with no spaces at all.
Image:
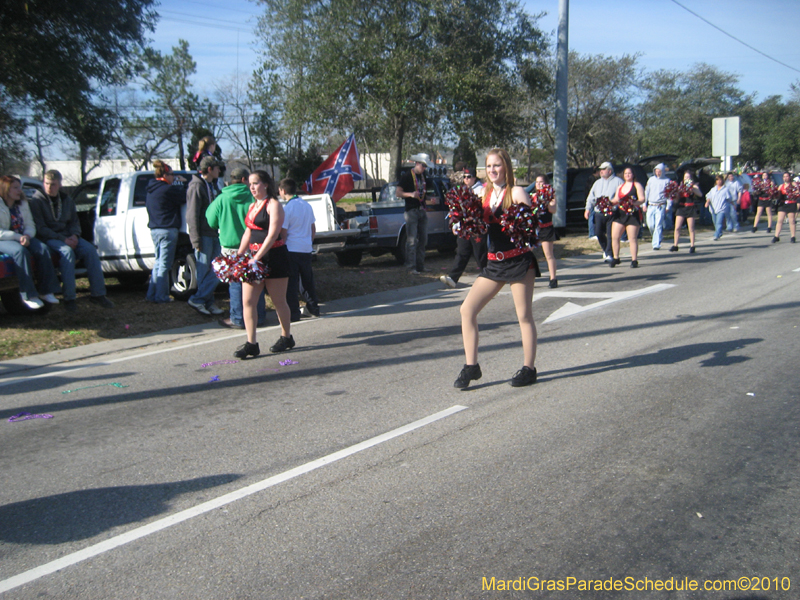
{"x":227,"y":214}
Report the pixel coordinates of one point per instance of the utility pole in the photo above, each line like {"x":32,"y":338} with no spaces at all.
{"x":560,"y":160}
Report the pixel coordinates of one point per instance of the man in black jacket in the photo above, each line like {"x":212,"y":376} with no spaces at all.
{"x":204,"y":238}
{"x":57,"y":226}
{"x":412,"y":189}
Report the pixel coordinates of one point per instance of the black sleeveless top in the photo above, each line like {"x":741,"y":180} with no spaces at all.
{"x":497,"y":240}
{"x":257,"y":222}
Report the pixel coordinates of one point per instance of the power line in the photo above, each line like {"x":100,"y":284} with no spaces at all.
{"x":217,"y":25}
{"x":735,"y":38}
{"x":226,"y":9}
{"x":196,"y":16}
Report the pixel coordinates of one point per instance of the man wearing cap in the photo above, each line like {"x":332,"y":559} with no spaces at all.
{"x":205,"y":239}
{"x":605,"y":186}
{"x":656,"y":203}
{"x":465,"y":247}
{"x":227,"y":213}
{"x":412,"y":189}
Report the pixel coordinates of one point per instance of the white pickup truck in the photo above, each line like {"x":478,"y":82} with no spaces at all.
{"x":114,"y":218}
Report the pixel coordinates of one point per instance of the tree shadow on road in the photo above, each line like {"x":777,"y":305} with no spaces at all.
{"x":83,"y":514}
{"x":721,"y":356}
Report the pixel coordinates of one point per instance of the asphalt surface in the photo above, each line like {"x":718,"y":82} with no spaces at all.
{"x":659,"y":444}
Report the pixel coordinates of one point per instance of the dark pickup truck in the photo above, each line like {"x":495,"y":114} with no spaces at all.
{"x":387,"y":226}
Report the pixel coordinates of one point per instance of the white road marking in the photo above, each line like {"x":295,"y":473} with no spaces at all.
{"x":571,"y":309}
{"x":189,"y":513}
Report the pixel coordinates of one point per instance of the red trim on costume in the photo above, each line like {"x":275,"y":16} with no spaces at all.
{"x":248,"y":220}
{"x":509,"y":254}
{"x":257,"y":247}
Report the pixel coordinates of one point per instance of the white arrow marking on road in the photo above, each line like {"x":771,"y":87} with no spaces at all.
{"x":571,"y":309}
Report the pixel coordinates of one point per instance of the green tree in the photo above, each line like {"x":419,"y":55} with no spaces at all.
{"x":139,"y":134}
{"x":265,"y":130}
{"x":168,"y":79}
{"x":675,"y":116}
{"x":464,"y":153}
{"x":771,"y":133}
{"x":600,"y":109}
{"x":12,"y":127}
{"x":90,"y":129}
{"x":55,"y":53}
{"x":400,"y":64}
{"x":301,"y":166}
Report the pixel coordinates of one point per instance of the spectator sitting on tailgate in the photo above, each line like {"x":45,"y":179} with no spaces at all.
{"x":57,"y":226}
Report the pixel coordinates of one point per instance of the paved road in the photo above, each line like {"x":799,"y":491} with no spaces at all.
{"x":660,"y":442}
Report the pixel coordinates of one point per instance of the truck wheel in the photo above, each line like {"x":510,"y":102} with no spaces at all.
{"x":348,"y":258}
{"x":183,"y":277}
{"x":14,"y":306}
{"x":400,"y":251}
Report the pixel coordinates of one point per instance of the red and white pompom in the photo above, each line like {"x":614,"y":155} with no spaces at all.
{"x":766,"y":190}
{"x":519,"y":223}
{"x":793,"y":191}
{"x":605,"y":206}
{"x":627,"y":205}
{"x":543,"y":197}
{"x":672,"y":190}
{"x":238,"y":268}
{"x":466,"y":213}
{"x":686,"y":189}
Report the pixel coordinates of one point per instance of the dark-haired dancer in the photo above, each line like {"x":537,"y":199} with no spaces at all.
{"x":264,"y":222}
{"x":547,"y":233}
{"x":631,"y":193}
{"x":687,"y":208}
{"x":787,"y":207}
{"x":762,"y":202}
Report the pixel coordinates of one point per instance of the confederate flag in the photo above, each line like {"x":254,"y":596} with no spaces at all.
{"x":338,"y":174}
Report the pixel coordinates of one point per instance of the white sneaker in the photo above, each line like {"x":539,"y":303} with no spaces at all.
{"x":605,"y":256}
{"x":199,"y":308}
{"x":214,"y":309}
{"x":49,"y":298}
{"x":33,"y":303}
{"x":593,"y":238}
{"x":448,"y":281}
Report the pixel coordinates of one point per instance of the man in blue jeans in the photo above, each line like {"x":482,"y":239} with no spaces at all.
{"x":204,"y":238}
{"x":412,"y":188}
{"x":227,"y":214}
{"x":732,"y":216}
{"x":57,"y":226}
{"x":719,"y":198}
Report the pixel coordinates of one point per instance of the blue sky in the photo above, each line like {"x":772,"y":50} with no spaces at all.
{"x":220,"y":35}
